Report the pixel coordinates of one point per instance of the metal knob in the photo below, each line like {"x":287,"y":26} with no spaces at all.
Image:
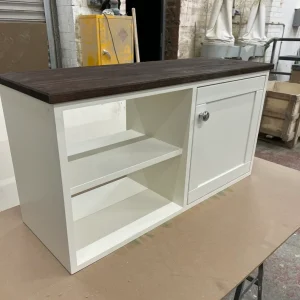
{"x":204,"y":116}
{"x":105,"y":52}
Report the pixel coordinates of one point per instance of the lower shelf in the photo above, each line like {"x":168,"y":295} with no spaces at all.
{"x":117,"y":224}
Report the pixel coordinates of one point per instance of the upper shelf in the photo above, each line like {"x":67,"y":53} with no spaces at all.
{"x":128,"y":136}
{"x":70,"y":84}
{"x":93,"y":170}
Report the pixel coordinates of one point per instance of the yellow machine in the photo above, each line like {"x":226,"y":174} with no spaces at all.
{"x":106,"y":40}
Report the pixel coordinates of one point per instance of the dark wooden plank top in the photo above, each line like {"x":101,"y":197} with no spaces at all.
{"x":63,"y":85}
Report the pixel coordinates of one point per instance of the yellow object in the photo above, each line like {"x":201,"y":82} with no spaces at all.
{"x":106,"y":40}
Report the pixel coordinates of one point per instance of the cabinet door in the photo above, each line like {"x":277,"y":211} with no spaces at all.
{"x":224,"y":143}
{"x":116,"y":40}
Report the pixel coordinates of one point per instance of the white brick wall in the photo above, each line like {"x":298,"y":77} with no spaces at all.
{"x":193,"y":21}
{"x":68,"y":12}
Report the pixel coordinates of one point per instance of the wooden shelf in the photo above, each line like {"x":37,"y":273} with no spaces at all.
{"x":109,"y":194}
{"x":119,"y":223}
{"x":80,"y":147}
{"x":94,"y":170}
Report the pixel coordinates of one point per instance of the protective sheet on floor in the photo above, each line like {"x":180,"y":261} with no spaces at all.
{"x":219,"y":29}
{"x":256,"y":26}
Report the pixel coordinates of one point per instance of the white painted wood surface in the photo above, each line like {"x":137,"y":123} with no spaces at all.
{"x":111,"y":226}
{"x":33,"y":142}
{"x":166,"y":117}
{"x":93,"y":201}
{"x":119,"y":138}
{"x":172,"y":162}
{"x":93,"y":170}
{"x":230,"y":89}
{"x":223,"y":146}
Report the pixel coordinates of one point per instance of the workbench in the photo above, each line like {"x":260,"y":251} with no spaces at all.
{"x":191,"y":132}
{"x":201,"y":254}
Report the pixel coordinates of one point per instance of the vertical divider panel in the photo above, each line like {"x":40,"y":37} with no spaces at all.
{"x":165,"y":117}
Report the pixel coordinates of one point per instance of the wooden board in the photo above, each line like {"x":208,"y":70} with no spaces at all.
{"x":278,"y":108}
{"x":113,"y":140}
{"x":281,"y":111}
{"x":63,"y":85}
{"x":97,"y":199}
{"x":285,"y":88}
{"x":275,"y":127}
{"x":93,"y":170}
{"x":295,"y":77}
{"x":24,"y":46}
{"x":96,"y":233}
{"x":190,"y":257}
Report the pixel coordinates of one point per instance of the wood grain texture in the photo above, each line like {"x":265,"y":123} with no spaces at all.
{"x":281,"y":111}
{"x":71,"y":84}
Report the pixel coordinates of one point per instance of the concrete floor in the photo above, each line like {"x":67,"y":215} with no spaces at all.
{"x":279,"y":155}
{"x":282,"y":269}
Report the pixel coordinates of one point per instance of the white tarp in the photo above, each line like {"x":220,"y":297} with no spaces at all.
{"x":256,"y":27}
{"x":219,"y":29}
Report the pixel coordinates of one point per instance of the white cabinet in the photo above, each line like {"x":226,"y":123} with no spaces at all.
{"x":227,"y":117}
{"x":85,"y":195}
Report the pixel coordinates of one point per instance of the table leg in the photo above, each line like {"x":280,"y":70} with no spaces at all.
{"x":260,"y":281}
{"x":240,"y":291}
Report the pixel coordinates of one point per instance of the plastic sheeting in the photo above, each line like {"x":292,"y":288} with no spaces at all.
{"x":256,"y":26}
{"x":219,"y":29}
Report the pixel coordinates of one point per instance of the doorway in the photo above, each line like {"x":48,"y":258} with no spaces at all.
{"x":150,"y":17}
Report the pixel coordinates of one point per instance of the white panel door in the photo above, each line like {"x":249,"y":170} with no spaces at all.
{"x":224,"y":142}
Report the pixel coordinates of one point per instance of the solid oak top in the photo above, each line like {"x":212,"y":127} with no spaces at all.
{"x":201,"y":254}
{"x":71,"y":84}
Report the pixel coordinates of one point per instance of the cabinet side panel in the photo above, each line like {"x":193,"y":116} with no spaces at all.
{"x":90,"y":46}
{"x":33,"y":142}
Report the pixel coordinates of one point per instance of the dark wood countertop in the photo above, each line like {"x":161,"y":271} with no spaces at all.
{"x":71,"y":84}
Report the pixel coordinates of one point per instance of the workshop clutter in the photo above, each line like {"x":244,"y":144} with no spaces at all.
{"x":281,"y":112}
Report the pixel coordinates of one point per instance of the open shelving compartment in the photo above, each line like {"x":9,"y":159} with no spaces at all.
{"x":125,"y":183}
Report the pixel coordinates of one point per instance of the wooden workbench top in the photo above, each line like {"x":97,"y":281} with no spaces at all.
{"x":202,"y":254}
{"x":63,"y":85}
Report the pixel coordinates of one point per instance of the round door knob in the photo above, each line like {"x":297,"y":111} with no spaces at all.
{"x":204,"y":116}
